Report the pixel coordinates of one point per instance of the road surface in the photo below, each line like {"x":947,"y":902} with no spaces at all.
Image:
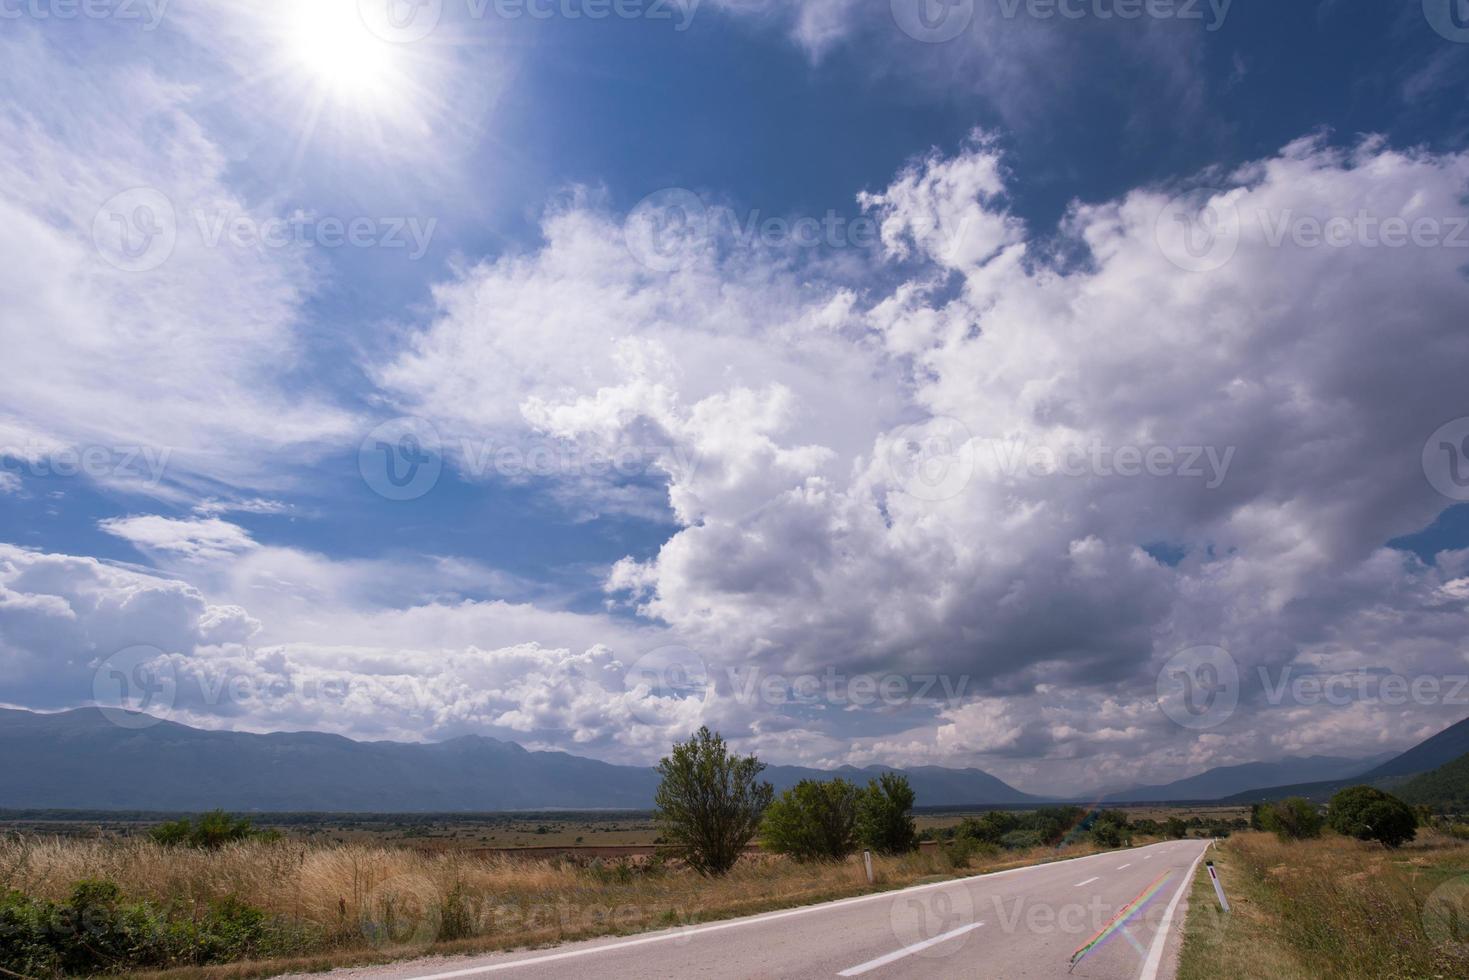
{"x":1027,"y":922}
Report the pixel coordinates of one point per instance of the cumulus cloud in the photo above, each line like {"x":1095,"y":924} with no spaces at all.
{"x":1152,"y":455}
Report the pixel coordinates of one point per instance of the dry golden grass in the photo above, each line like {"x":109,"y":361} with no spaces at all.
{"x":1333,"y":908}
{"x":358,"y":903}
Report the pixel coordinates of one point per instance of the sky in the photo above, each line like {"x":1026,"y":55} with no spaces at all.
{"x":1071,"y":389}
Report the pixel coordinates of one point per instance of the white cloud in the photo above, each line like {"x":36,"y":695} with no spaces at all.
{"x":1280,"y":390}
{"x":204,"y":539}
{"x":175,"y":347}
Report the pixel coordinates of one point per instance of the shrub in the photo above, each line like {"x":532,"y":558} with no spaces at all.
{"x":885,"y":815}
{"x":1367,"y":813}
{"x":1295,"y":818}
{"x":97,"y":931}
{"x":962,"y":850}
{"x":813,"y":821}
{"x":1175,"y":828}
{"x":213,"y":829}
{"x":1020,"y":840}
{"x":710,"y":802}
{"x":990,"y":828}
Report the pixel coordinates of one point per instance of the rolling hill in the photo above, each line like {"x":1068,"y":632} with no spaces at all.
{"x":1446,"y":787}
{"x":80,"y":760}
{"x":1226,"y":780}
{"x":1430,"y":754}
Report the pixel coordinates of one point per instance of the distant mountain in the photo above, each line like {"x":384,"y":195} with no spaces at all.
{"x":1226,"y":780}
{"x":1432,"y":753}
{"x":1439,"y":750}
{"x":80,"y":760}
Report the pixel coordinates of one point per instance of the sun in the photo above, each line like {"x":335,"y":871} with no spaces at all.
{"x":328,"y":40}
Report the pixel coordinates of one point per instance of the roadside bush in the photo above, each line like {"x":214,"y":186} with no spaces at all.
{"x":885,"y":815}
{"x":710,"y":802}
{"x":1367,"y":813}
{"x":989,"y":828}
{"x":813,"y":821}
{"x":1020,"y":840}
{"x":1108,"y":828}
{"x":1175,"y":828}
{"x":97,"y":931}
{"x":213,"y":829}
{"x":1295,"y":818}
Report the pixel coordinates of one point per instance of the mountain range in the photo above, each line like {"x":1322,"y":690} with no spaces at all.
{"x":1227,"y":780}
{"x":1431,"y":754}
{"x":81,"y":760}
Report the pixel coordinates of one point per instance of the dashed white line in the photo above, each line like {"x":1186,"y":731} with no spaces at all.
{"x":1087,"y":882}
{"x":1122,"y":867}
{"x":896,"y":955}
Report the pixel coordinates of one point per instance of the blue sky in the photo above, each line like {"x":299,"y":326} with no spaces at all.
{"x":1001,"y":280}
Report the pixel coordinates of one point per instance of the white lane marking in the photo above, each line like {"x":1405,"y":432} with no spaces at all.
{"x":1121,"y":867}
{"x":1147,"y":857}
{"x":1087,"y":882}
{"x":1160,"y":938}
{"x":896,"y":955}
{"x":690,"y":931}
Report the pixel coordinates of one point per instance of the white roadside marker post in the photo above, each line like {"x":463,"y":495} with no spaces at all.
{"x":867,"y":862}
{"x":1218,"y":886}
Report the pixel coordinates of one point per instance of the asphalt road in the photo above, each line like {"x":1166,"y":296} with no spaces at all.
{"x":1027,"y":922}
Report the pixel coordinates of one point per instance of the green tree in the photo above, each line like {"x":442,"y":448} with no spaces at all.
{"x":209,"y":831}
{"x":1295,"y":818}
{"x":1367,"y":813}
{"x":1110,"y":828}
{"x":990,"y":828}
{"x":1175,"y":828}
{"x":710,"y":802}
{"x":885,"y":815}
{"x":813,"y":821}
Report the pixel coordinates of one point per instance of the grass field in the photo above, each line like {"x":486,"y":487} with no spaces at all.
{"x":1331,"y":909}
{"x":265,"y":907}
